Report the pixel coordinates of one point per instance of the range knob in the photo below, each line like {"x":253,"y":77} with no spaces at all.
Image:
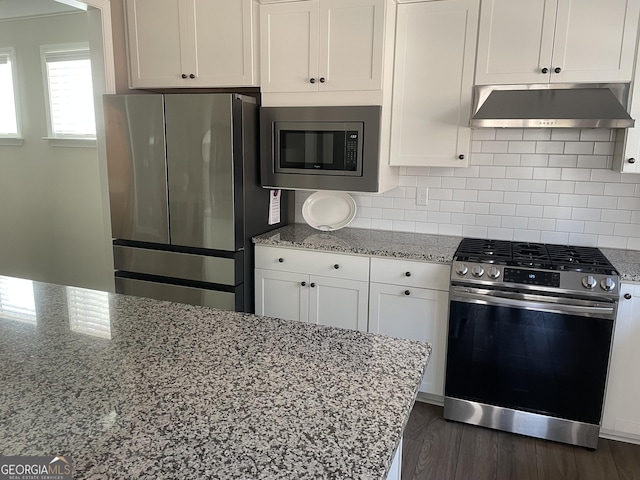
{"x":461,"y":269}
{"x":493,"y":272}
{"x":589,"y":282}
{"x":477,"y":271}
{"x":608,"y":284}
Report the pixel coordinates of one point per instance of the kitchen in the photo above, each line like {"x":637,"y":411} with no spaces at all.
{"x":550,"y":185}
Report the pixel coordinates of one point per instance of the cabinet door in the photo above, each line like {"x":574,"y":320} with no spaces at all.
{"x":223,"y":48}
{"x":282,"y":295}
{"x":156,"y":39}
{"x":289,"y":47}
{"x":433,"y":79}
{"x":621,"y":413}
{"x":338,"y":303}
{"x":515,"y":41}
{"x":595,"y":40}
{"x":416,"y":314}
{"x":351,"y":44}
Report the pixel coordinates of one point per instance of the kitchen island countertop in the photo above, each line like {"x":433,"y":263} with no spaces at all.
{"x":136,"y":388}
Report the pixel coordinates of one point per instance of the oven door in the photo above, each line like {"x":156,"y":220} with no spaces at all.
{"x":527,"y":352}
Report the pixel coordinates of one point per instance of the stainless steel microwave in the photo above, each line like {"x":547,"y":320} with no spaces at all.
{"x":320,"y":148}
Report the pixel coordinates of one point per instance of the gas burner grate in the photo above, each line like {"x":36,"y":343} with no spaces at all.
{"x":576,"y":258}
{"x":487,"y":250}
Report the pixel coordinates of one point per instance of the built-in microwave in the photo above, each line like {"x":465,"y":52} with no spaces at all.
{"x":320,"y":148}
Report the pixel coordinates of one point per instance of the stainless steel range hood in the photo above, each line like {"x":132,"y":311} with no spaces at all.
{"x":551,"y":106}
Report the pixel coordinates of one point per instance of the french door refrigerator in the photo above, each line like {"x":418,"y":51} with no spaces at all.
{"x":185,"y":196}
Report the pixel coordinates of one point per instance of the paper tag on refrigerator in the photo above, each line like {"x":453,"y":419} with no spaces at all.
{"x":274,"y":207}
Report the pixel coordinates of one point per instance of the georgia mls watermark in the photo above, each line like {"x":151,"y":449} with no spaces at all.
{"x":36,"y":468}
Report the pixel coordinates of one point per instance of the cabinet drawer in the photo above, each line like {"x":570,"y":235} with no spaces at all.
{"x":435,"y":276}
{"x":313,"y":263}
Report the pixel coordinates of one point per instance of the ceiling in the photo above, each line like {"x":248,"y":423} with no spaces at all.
{"x":21,"y":8}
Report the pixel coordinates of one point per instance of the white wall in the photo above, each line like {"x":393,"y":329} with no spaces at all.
{"x":51,"y":210}
{"x":540,"y":185}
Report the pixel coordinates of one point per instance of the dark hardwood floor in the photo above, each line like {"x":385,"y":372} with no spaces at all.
{"x":438,"y":450}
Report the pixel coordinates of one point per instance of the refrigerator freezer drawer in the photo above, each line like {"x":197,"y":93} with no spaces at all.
{"x":186,"y":266}
{"x":179,"y":293}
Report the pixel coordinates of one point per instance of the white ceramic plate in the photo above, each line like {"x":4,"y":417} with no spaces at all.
{"x":329,"y":211}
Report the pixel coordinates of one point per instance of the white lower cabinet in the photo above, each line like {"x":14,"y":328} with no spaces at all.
{"x":399,"y":298}
{"x":310,"y":286}
{"x":412,"y":303}
{"x":621,"y":417}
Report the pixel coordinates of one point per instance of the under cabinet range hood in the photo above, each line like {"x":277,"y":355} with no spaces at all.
{"x":551,"y":106}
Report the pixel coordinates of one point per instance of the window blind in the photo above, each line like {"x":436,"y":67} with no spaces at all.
{"x":70,"y":93}
{"x":89,"y":312}
{"x":17,"y":301}
{"x":8,"y":120}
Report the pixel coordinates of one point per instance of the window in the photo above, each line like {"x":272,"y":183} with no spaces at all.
{"x":8,"y":118}
{"x":69,"y":91}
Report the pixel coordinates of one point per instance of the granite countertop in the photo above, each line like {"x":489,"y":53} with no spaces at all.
{"x":410,"y":246}
{"x":136,"y":388}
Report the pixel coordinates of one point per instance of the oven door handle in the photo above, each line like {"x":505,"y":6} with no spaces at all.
{"x":533,"y":302}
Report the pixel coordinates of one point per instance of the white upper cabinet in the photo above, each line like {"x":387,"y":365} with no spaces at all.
{"x":542,"y":41}
{"x":316,"y":46}
{"x":190,"y":43}
{"x":432,"y":83}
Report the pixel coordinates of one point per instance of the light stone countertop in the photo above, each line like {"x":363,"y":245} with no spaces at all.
{"x":410,"y":246}
{"x":137,"y":388}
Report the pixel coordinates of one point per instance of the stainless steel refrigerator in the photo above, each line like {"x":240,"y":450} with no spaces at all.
{"x":185,"y":196}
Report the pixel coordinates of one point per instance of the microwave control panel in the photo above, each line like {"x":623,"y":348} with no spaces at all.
{"x":351,"y":146}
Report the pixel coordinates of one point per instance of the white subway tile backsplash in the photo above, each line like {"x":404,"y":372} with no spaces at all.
{"x":454,"y":182}
{"x":565,"y":134}
{"x":590,"y":214}
{"x":500,"y":233}
{"x":474,"y":231}
{"x":522,"y":147}
{"x":583,"y":240}
{"x":599,"y":228}
{"x":547,"y":173}
{"x":509,"y":134}
{"x":502,"y":209}
{"x":493,"y":172}
{"x":476,"y":207}
{"x":506,"y":185}
{"x":536,"y":134}
{"x":555,"y":237}
{"x":455,"y":230}
{"x":545,"y":198}
{"x":564,"y":186}
{"x":620,"y":189}
{"x":534,"y":160}
{"x":590,"y":188}
{"x":522,"y":198}
{"x":550,"y":147}
{"x":507,"y":159}
{"x":451,"y":206}
{"x":571,"y":226}
{"x":532,"y":185}
{"x":488,"y":220}
{"x":496,"y":147}
{"x":490,"y":197}
{"x":520,"y":172}
{"x":539,"y":185}
{"x":595,"y":134}
{"x":570,"y":200}
{"x":484,"y":134}
{"x":570,"y":161}
{"x":557,"y":212}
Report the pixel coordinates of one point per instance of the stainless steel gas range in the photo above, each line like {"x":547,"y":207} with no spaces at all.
{"x":530,"y":328}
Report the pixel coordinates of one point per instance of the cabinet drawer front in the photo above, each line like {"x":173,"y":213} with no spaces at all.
{"x":313,"y":262}
{"x":410,"y":273}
